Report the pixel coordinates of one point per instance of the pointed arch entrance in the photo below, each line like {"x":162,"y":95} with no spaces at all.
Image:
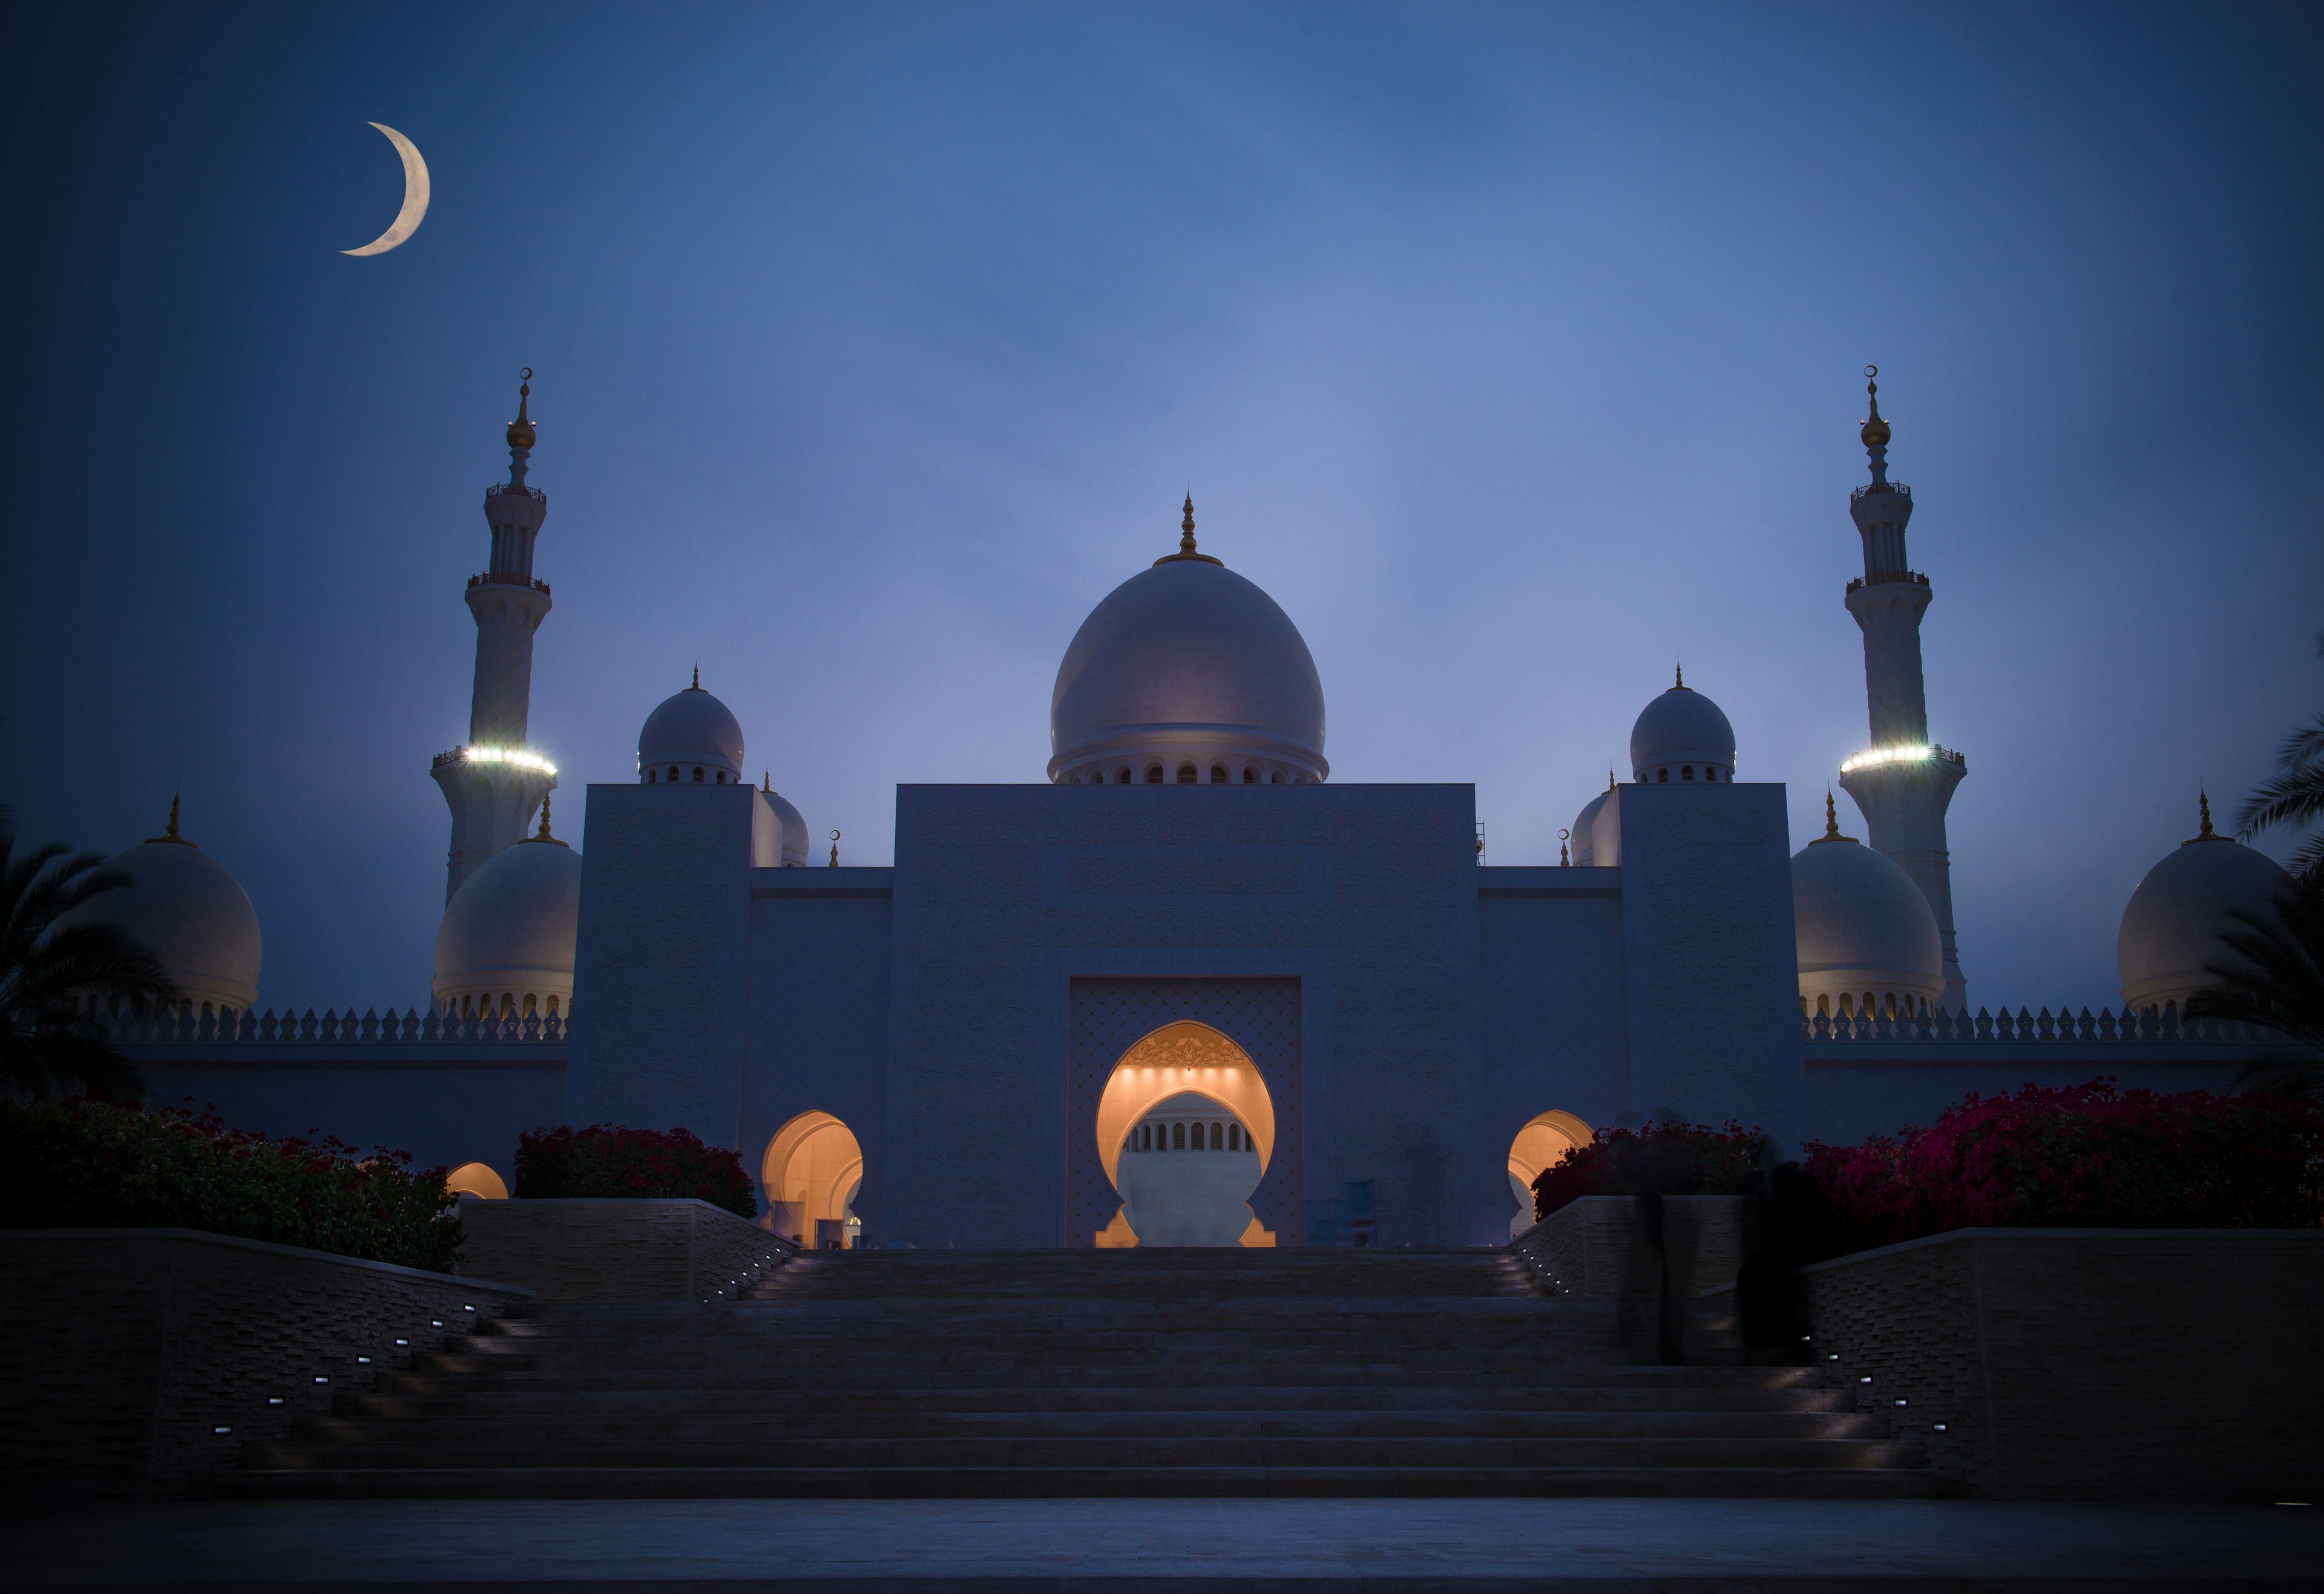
{"x":1184,"y":1075}
{"x":1110,"y":1014}
{"x":811,"y":1173}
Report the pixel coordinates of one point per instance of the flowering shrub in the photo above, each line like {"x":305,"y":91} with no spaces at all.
{"x":1671,"y":1158}
{"x":85,"y":1163}
{"x":2086,"y":1156}
{"x":605,"y":1160}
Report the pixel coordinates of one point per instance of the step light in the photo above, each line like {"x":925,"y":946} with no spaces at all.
{"x":274,"y":1400}
{"x":222,"y":1428}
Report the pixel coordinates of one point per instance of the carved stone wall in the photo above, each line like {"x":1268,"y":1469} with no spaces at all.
{"x":1711,"y":962}
{"x":1007,"y":896}
{"x":1550,"y":944}
{"x":1112,"y":1015}
{"x":661,"y":977}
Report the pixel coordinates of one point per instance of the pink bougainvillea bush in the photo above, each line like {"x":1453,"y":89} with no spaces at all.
{"x":85,"y":1163}
{"x":1668,"y":1159}
{"x":2086,"y":1156}
{"x":604,"y":1160}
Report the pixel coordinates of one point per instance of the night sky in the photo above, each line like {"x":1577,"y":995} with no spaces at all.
{"x":1515,"y":350}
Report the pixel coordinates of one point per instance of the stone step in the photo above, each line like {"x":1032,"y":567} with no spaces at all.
{"x":605,"y":1426}
{"x":816,"y":1401}
{"x":1197,"y":1450}
{"x":452,"y":1482}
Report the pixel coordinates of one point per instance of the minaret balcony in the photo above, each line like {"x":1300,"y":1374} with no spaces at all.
{"x":1885,"y":578}
{"x":1874,"y":489}
{"x":498,"y":489}
{"x":497,"y":579}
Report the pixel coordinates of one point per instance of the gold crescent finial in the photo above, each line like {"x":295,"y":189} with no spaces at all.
{"x":834,"y":849}
{"x":1875,"y":429}
{"x":1680,"y":686}
{"x":697,"y":680}
{"x":521,"y":434}
{"x":1187,"y":526}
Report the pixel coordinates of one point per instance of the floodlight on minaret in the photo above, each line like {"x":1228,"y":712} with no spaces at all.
{"x":493,"y":781}
{"x":1903,"y":780}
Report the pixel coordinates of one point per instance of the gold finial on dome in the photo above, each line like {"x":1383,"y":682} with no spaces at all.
{"x":1610,"y":780}
{"x":1186,"y":538}
{"x":1830,"y":824}
{"x":170,"y":834}
{"x":520,"y":431}
{"x":544,"y":835}
{"x":1680,"y":685}
{"x":767,"y":780}
{"x":696,"y":685}
{"x":834,"y":849}
{"x":2203,"y":807}
{"x":1875,"y":429}
{"x":1562,"y":861}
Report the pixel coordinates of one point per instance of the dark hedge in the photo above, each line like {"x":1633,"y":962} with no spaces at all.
{"x":1661,"y":1159}
{"x":85,"y":1163}
{"x":604,"y":1160}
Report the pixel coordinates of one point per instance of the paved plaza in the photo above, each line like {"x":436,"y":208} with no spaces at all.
{"x":1216,"y":1546}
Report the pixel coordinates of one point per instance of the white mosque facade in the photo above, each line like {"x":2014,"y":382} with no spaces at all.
{"x":1188,"y":938}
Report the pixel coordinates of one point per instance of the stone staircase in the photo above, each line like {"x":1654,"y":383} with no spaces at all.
{"x":1069,"y":1373}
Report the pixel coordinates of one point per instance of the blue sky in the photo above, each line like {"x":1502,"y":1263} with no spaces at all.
{"x":1516,"y":350}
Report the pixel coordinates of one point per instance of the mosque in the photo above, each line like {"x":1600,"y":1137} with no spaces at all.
{"x":1188,"y":938}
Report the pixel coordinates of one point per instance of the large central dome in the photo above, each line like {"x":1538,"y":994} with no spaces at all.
{"x":1188,"y":674}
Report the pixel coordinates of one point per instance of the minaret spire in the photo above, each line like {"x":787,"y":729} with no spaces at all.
{"x":493,"y":781}
{"x":1902,"y":781}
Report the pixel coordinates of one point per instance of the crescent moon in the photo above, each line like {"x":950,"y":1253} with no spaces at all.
{"x":415,"y":197}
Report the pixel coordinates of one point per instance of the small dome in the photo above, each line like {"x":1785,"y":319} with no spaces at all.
{"x":1865,"y":934}
{"x":1187,"y":664}
{"x":192,"y":914}
{"x":1581,"y":846}
{"x":506,"y":943}
{"x":693,"y":734}
{"x":2171,"y":929}
{"x":1681,"y":736}
{"x":794,"y":826}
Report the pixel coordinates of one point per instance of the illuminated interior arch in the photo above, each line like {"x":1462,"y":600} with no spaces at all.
{"x":1543,"y":1143}
{"x":811,"y":1173}
{"x":476,"y":1180}
{"x":1176,"y":1059}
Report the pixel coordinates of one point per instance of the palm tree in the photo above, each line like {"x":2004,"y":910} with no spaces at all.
{"x":50,"y":1036}
{"x":2278,"y":983}
{"x":2293,"y":796}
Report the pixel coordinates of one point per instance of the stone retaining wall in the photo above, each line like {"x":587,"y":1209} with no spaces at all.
{"x":2091,"y":1363}
{"x":135,"y":1360}
{"x":1596,"y":1246}
{"x":618,"y":1249}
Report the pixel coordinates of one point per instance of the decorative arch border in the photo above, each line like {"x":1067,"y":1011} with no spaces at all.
{"x":1110,"y":1015}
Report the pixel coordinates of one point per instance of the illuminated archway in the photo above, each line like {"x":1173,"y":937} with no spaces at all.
{"x":476,"y":1180}
{"x":1542,"y":1143}
{"x":1182,"y":1059}
{"x":811,"y":1173}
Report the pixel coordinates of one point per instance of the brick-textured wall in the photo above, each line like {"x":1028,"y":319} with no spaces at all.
{"x":616,"y":1250}
{"x":2066,"y":1364}
{"x":124,"y":1352}
{"x":1595,"y":1246}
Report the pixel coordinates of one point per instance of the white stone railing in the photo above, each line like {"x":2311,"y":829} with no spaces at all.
{"x":1999,"y":1029}
{"x":334,"y":1028}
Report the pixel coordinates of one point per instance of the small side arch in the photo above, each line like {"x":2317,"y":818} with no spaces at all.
{"x":476,"y":1178}
{"x":1543,"y":1142}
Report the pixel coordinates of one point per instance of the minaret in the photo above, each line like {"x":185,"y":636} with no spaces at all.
{"x":1902,"y":781}
{"x":493,"y":781}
